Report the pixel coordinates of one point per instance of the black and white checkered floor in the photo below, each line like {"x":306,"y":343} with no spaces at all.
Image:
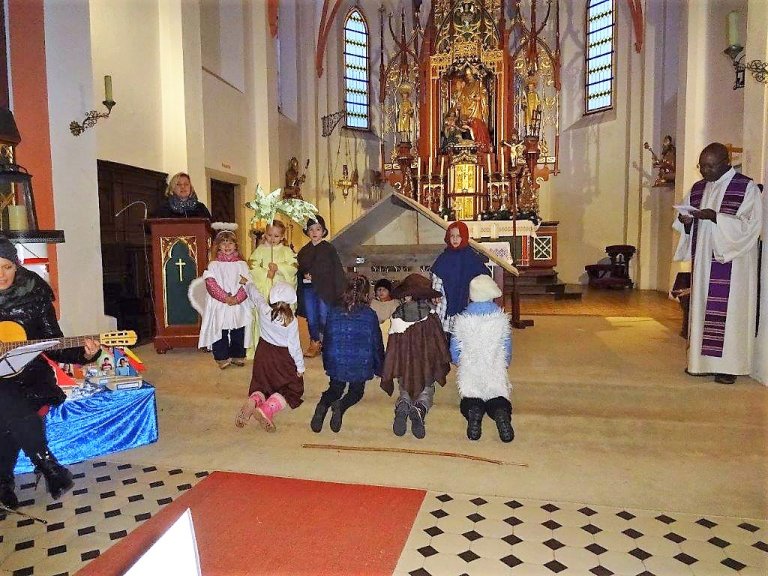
{"x":453,"y":534}
{"x":108,"y":501}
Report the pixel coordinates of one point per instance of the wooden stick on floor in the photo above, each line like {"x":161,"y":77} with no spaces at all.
{"x":411,"y":451}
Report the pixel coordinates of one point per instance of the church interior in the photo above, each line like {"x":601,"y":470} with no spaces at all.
{"x":564,"y":132}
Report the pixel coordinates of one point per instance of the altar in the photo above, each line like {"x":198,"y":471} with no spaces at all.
{"x":470,"y":107}
{"x":101,"y":424}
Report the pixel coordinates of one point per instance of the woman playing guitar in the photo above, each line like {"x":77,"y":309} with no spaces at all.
{"x":25,"y":298}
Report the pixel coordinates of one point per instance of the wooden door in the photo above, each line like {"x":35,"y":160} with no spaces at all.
{"x":125,"y":249}
{"x":222,"y":201}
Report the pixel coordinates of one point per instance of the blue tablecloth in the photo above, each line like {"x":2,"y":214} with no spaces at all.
{"x":101,"y":424}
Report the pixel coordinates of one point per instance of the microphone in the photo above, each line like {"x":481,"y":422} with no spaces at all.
{"x":131,"y":204}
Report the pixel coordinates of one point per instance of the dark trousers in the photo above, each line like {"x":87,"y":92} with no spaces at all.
{"x":490,"y":407}
{"x":336,"y":390}
{"x":20,"y":428}
{"x":230,"y":345}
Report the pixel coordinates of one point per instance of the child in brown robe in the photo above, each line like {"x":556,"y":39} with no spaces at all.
{"x":417,"y":354}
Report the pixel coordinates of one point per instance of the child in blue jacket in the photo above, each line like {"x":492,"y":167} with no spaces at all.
{"x":353,"y":352}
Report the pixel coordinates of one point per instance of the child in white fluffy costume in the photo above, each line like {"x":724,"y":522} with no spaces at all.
{"x":481,"y":347}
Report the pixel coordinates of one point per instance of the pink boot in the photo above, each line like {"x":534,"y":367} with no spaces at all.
{"x":249,"y":407}
{"x":266,"y":412}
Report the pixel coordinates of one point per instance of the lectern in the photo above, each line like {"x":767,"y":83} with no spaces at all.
{"x":180,"y":248}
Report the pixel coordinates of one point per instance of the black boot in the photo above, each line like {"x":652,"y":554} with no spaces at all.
{"x":319,"y":417}
{"x":9,"y":453}
{"x":473,"y":409}
{"x":475,"y":423}
{"x":417,"y":414}
{"x":500,"y":409}
{"x":400,"y":423}
{"x":7,"y":495}
{"x":57,"y":478}
{"x":337,"y":413}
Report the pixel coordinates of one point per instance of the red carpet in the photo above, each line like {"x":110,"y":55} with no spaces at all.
{"x":247,"y":524}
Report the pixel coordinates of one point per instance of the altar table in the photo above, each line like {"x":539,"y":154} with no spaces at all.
{"x":106,"y":422}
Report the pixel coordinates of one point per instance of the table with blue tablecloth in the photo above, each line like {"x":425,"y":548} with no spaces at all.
{"x":101,"y":424}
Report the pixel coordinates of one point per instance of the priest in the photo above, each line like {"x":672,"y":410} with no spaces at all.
{"x":720,"y":221}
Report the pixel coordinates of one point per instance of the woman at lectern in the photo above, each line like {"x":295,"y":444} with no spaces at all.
{"x":181,"y":200}
{"x":26,"y":301}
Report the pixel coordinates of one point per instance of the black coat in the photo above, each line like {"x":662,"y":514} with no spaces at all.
{"x":29,"y":302}
{"x":321,"y":261}
{"x":165,"y":211}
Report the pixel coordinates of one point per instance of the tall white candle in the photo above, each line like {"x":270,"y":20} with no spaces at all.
{"x":733,"y":28}
{"x":418,"y":168}
{"x":430,"y":166}
{"x":17,"y":217}
{"x":502,"y":161}
{"x":442,"y":165}
{"x":488,"y":158}
{"x":108,"y":88}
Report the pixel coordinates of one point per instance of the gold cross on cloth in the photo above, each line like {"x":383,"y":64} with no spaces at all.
{"x":180,"y":263}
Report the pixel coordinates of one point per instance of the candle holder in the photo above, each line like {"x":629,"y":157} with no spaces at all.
{"x":91,"y":118}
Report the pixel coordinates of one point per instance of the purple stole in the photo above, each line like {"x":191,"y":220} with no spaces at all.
{"x":719,"y":274}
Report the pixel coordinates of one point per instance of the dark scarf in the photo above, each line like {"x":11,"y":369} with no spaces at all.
{"x":26,"y":287}
{"x":456,"y":268}
{"x":181,"y":206}
{"x":412,"y":311}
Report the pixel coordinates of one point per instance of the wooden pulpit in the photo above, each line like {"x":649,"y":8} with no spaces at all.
{"x":180,"y":249}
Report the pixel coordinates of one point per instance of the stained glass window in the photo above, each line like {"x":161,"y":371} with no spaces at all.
{"x":600,"y":35}
{"x":356,"y":83}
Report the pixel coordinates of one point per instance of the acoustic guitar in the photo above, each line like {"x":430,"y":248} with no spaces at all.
{"x":13,"y":335}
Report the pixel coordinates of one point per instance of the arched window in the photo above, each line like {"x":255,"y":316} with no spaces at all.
{"x":600,"y":36}
{"x":356,"y":84}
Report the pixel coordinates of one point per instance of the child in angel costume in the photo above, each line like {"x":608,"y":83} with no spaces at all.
{"x":225,"y":311}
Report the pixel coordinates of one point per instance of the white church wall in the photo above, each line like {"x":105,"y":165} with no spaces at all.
{"x":125,"y":41}
{"x":756,"y":159}
{"x":76,"y":200}
{"x":590,"y":195}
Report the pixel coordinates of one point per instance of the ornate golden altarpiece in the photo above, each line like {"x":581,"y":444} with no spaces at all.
{"x":470,"y":102}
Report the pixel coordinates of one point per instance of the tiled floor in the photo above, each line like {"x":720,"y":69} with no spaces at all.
{"x":459,"y":534}
{"x":453,"y":534}
{"x":108,"y":501}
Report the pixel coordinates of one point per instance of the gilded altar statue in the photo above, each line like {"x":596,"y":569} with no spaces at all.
{"x":293,"y":179}
{"x":531,"y":102}
{"x":472,"y":103}
{"x":405,"y":111}
{"x":666,"y":163}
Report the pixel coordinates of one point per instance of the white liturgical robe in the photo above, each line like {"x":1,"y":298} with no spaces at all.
{"x":760,"y":370}
{"x":732,"y":238}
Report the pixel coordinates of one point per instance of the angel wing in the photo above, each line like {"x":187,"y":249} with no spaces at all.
{"x":197,"y":294}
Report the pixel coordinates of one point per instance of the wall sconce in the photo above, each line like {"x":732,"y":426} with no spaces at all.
{"x":735,"y":52}
{"x":93,"y":116}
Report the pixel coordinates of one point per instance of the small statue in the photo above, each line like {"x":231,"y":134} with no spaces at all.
{"x":532,"y":102}
{"x":452,"y":133}
{"x":294,"y":180}
{"x":516,"y":148}
{"x":405,"y":111}
{"x":666,"y":164}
